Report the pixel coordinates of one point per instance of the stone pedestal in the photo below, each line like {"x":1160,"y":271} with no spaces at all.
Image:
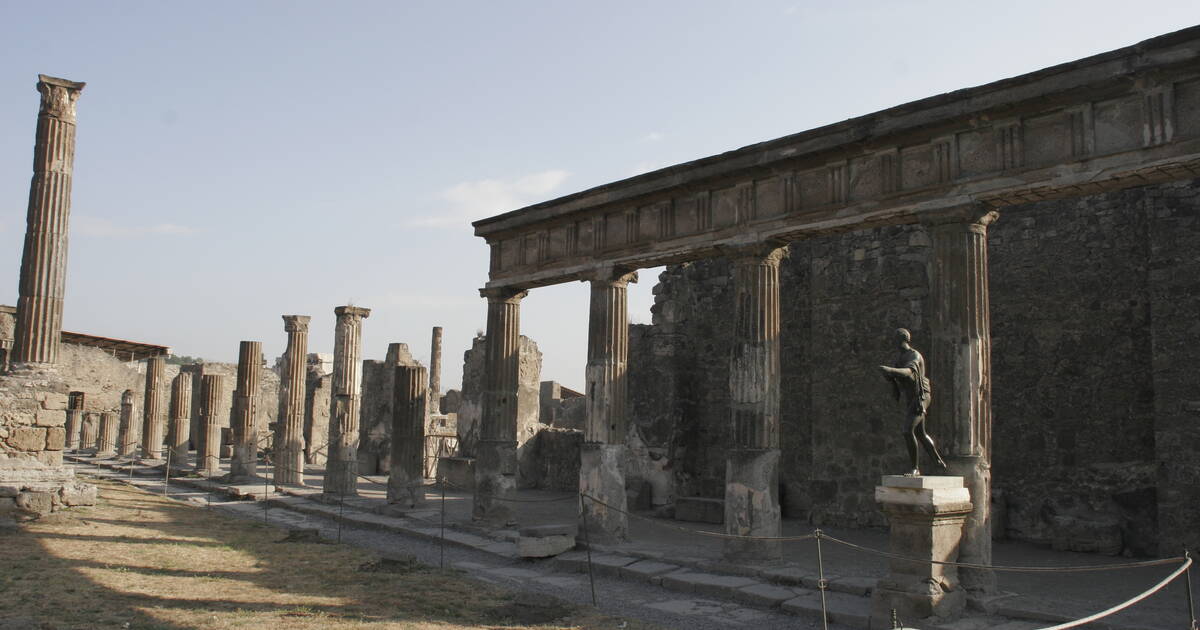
{"x":289,"y":460}
{"x":243,"y":465}
{"x":926,"y":515}
{"x":341,"y":468}
{"x":406,"y":478}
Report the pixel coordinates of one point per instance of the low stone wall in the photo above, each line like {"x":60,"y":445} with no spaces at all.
{"x":556,"y":459}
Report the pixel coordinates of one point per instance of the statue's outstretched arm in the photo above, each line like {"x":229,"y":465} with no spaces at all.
{"x":893,"y":373}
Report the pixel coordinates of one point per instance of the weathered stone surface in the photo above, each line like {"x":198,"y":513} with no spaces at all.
{"x":341,"y":468}
{"x":700,"y":510}
{"x":542,"y":531}
{"x":246,"y":399}
{"x":212,"y":413}
{"x":73,"y":494}
{"x":289,"y":463}
{"x":646,"y":570}
{"x":764,"y":595}
{"x":35,"y":502}
{"x":31,"y":439}
{"x":153,"y":421}
{"x":706,"y":583}
{"x":544,"y":546}
{"x":409,"y":412}
{"x":56,"y":438}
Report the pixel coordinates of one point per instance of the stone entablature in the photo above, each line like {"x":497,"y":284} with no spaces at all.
{"x":1119,"y":119}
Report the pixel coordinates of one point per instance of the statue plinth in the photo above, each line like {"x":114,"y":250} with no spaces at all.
{"x":926,"y":515}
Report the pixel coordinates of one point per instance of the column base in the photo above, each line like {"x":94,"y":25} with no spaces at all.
{"x":495,"y":476}
{"x":289,"y":468}
{"x":405,"y":491}
{"x":752,"y":505}
{"x":341,"y":473}
{"x":926,"y":516}
{"x":601,"y":476}
{"x":976,"y":544}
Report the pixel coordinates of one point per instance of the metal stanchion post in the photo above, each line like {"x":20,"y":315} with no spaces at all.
{"x":822,"y":583}
{"x":588,"y":545}
{"x":1188,"y":585}
{"x":342,"y":504}
{"x":442,"y":536}
{"x":266,"y":490}
{"x":167,"y":472}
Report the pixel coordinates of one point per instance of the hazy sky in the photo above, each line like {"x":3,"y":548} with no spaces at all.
{"x":238,"y":161}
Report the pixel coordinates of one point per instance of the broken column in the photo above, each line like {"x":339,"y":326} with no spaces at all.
{"x":107,"y":446}
{"x":496,"y":453}
{"x":127,"y":440}
{"x":341,"y":468}
{"x":180,"y":412}
{"x":406,"y":478}
{"x":152,"y":418}
{"x":244,"y":463}
{"x":925,"y":516}
{"x":89,"y":431}
{"x":289,"y":462}
{"x":212,"y":414}
{"x":44,"y":261}
{"x":435,"y":372}
{"x":600,"y":474}
{"x":75,"y":403}
{"x":752,"y":468}
{"x":960,"y":372}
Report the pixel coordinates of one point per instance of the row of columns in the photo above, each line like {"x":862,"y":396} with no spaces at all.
{"x":961,"y":370}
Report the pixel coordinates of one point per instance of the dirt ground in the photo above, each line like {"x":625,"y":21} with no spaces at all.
{"x":138,"y":560}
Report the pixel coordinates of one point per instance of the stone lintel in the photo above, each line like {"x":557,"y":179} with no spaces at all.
{"x":70,"y":85}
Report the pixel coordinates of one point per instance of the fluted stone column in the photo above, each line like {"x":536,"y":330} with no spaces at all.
{"x":289,"y":462}
{"x":407,"y":476}
{"x":89,"y":431}
{"x":74,"y":426}
{"x":960,"y":372}
{"x":752,"y":468}
{"x":496,"y":453}
{"x":181,"y":414}
{"x":341,"y":468}
{"x":244,"y":463}
{"x":212,"y":415}
{"x":44,"y":261}
{"x":127,"y":441}
{"x":600,"y":472}
{"x":435,"y":371}
{"x":152,"y":416}
{"x":107,"y":446}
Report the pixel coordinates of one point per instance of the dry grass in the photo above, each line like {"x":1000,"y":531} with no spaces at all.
{"x":138,"y":560}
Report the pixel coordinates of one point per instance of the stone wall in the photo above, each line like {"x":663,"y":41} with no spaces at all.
{"x":470,"y":405}
{"x":555,"y":459}
{"x":375,"y":416}
{"x":1094,"y":397}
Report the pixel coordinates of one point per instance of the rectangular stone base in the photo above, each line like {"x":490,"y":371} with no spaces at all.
{"x":29,"y":493}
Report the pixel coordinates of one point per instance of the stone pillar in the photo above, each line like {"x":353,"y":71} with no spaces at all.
{"x":127,"y":441}
{"x":243,"y":465}
{"x":208,"y":451}
{"x":752,"y":468}
{"x":496,"y":453}
{"x":407,"y":476}
{"x":341,"y":467}
{"x":44,"y":261}
{"x":960,"y":372}
{"x":89,"y":431}
{"x":195,"y":429}
{"x":74,"y":426}
{"x":603,"y":451}
{"x":178,"y":433}
{"x":152,"y":417}
{"x":289,"y":462}
{"x":435,"y":372}
{"x":107,"y":446}
{"x":926,"y":516}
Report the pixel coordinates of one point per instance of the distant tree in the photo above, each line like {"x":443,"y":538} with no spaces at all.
{"x":182,"y":359}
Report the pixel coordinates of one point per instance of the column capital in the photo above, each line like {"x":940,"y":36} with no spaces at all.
{"x":976,"y":217}
{"x":508,"y":295}
{"x":612,"y":276}
{"x":58,"y":97}
{"x":296,"y":323}
{"x":352,"y":311}
{"x":764,"y":253}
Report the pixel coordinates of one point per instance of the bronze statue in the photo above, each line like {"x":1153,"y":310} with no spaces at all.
{"x":911,"y":387}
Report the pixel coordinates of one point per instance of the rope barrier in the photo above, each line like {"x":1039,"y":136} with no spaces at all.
{"x":1187,"y":562}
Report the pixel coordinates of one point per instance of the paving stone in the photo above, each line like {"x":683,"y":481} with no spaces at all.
{"x":706,"y":583}
{"x":764,"y":595}
{"x":544,"y":546}
{"x":571,"y":562}
{"x":793,"y":576}
{"x":861,"y":586}
{"x":609,"y":564}
{"x":646,"y":570}
{"x":545,"y":531}
{"x":842,"y":608}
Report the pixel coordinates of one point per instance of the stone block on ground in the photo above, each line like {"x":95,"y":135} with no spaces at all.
{"x":78,"y":494}
{"x":646,"y":570}
{"x":544,"y":546}
{"x":35,"y":503}
{"x":842,"y":608}
{"x":764,"y":595}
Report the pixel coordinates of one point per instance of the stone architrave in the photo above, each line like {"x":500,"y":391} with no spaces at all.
{"x":960,"y":370}
{"x":435,"y":371}
{"x":289,"y":462}
{"x":244,"y":463}
{"x":152,"y":416}
{"x":127,"y":441}
{"x":752,"y":469}
{"x":600,"y":472}
{"x":212,"y":412}
{"x":926,"y":516}
{"x":178,"y":432}
{"x":44,"y":261}
{"x":74,"y":426}
{"x":107,"y":446}
{"x":341,"y":468}
{"x":496,"y":453}
{"x":407,"y":476}
{"x":89,"y":431}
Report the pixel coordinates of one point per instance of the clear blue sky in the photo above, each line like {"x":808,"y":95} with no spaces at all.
{"x":242,"y":160}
